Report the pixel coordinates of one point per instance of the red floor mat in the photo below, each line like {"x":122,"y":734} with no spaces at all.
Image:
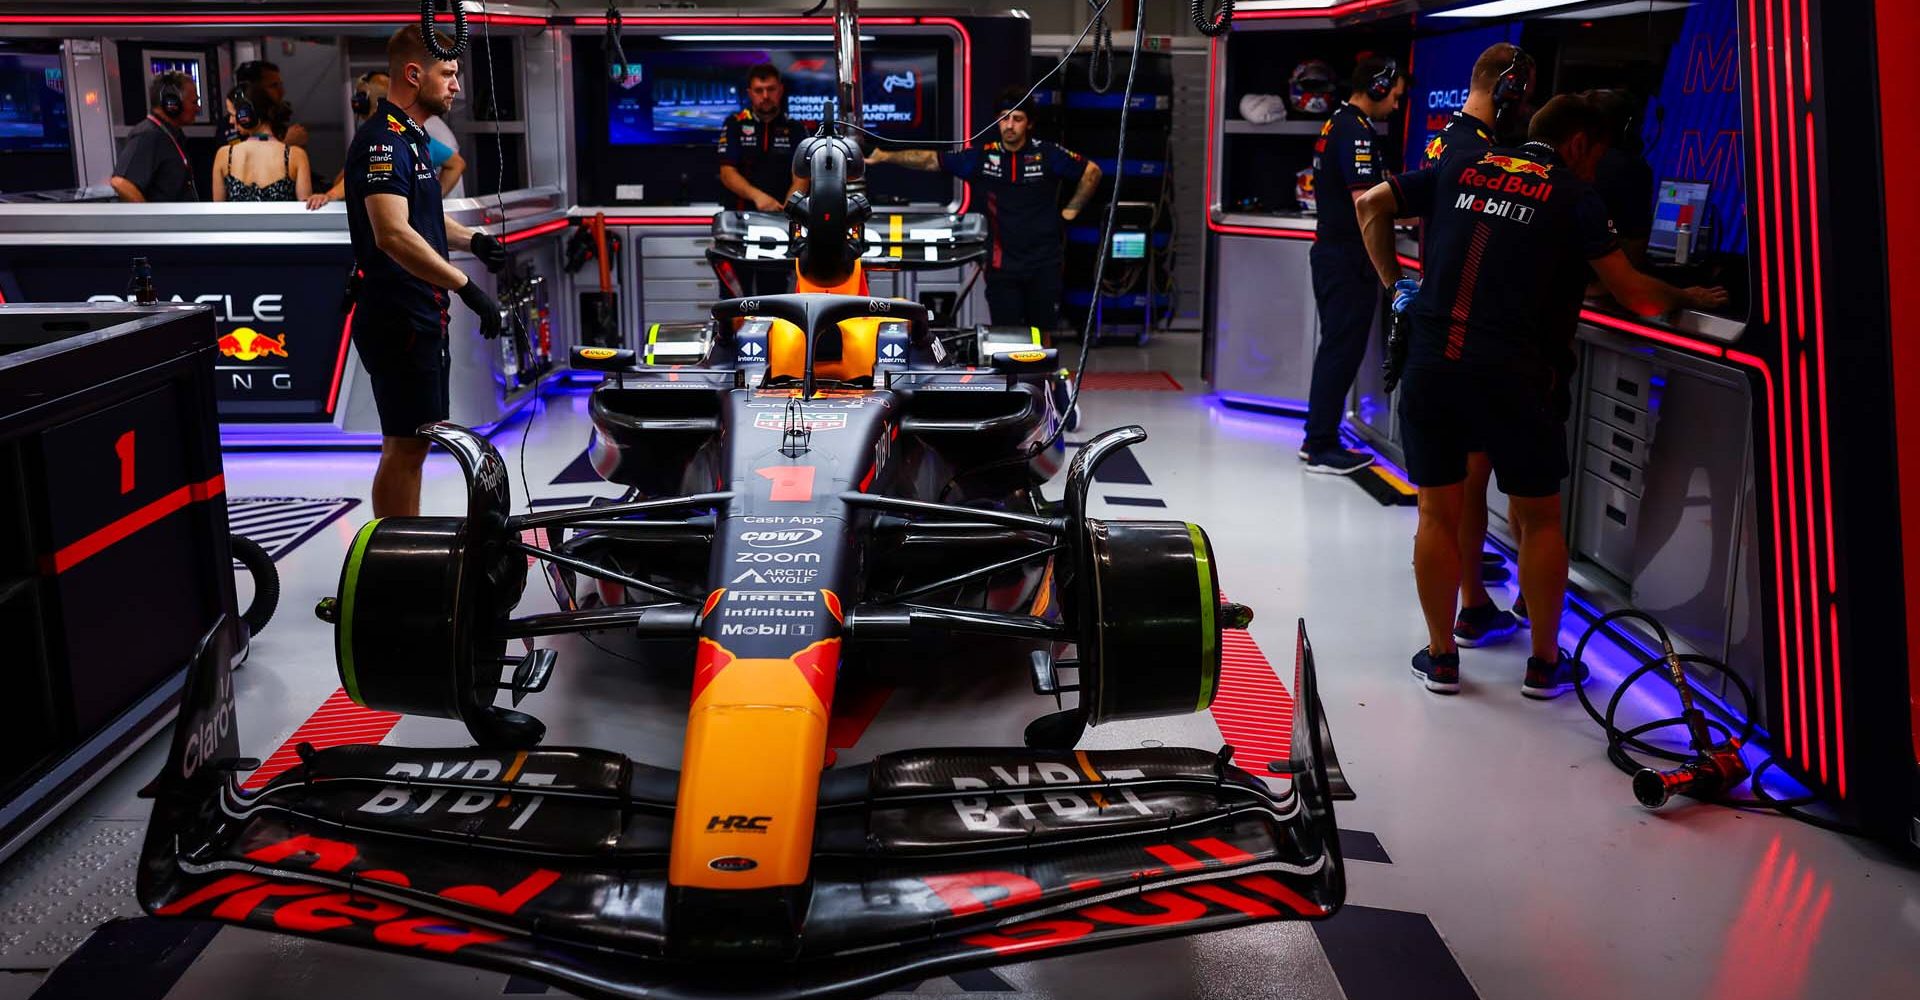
{"x":338,"y":721}
{"x":1130,"y":382}
{"x":1252,"y":708}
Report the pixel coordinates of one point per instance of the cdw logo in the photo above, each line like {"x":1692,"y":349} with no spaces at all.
{"x":738,"y":824}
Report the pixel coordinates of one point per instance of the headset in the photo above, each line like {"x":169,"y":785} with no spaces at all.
{"x":170,"y":99}
{"x":363,"y":101}
{"x":1381,"y":86}
{"x":246,"y":117}
{"x":1514,"y":81}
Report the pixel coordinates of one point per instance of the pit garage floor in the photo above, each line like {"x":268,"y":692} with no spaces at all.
{"x":1494,"y":852}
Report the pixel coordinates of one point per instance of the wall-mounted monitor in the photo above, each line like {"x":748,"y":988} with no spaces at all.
{"x":684,"y":95}
{"x":193,"y":64}
{"x":33,"y":102}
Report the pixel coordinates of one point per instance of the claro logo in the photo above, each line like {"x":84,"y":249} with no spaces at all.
{"x":269,"y":308}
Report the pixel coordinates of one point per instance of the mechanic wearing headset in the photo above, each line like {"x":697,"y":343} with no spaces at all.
{"x":400,"y":244}
{"x":1019,"y":180}
{"x":1502,"y":79}
{"x":1346,"y":162}
{"x":153,"y":164}
{"x":369,"y":90}
{"x":1513,"y":233}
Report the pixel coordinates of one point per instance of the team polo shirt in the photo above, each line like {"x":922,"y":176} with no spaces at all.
{"x":1510,"y":235}
{"x":1020,"y":191}
{"x":389,"y":156}
{"x":1346,"y":162}
{"x":762,"y":151}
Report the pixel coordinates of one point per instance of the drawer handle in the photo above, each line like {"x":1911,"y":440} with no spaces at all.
{"x":1627,"y":386}
{"x":1616,"y":515}
{"x":1622,"y":470}
{"x":1624,"y":413}
{"x":1623,"y":442}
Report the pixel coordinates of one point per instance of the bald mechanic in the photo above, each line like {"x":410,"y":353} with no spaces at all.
{"x":1513,"y":234}
{"x":400,"y":244}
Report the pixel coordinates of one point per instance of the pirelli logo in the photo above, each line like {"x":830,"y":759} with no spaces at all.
{"x":1505,"y":208}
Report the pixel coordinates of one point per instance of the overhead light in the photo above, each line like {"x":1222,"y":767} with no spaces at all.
{"x":1625,"y":8}
{"x":1505,"y":8}
{"x":791,"y":39}
{"x":1289,"y":4}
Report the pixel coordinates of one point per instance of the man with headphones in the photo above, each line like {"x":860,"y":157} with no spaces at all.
{"x":370,"y":89}
{"x":401,"y":240}
{"x":1512,"y":234}
{"x":153,"y":164}
{"x":1347,"y":160}
{"x":1502,"y":80}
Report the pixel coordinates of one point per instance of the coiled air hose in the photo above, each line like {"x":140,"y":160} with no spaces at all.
{"x":428,"y":31}
{"x":1624,"y":744}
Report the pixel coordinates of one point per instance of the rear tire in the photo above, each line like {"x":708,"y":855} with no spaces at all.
{"x":266,"y":582}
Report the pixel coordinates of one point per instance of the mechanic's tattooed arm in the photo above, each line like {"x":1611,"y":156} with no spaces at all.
{"x":912,"y":159}
{"x":1083,"y":193}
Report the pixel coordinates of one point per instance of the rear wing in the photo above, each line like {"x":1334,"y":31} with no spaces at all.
{"x":893,"y":240}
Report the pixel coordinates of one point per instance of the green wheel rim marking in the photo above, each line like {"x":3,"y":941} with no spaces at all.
{"x":1208,"y":632}
{"x":652,"y":332}
{"x":1036,"y":335}
{"x":358,"y":551}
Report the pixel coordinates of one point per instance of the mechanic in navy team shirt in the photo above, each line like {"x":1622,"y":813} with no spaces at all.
{"x":1018,"y":181}
{"x":1513,"y":233}
{"x":1471,"y":132}
{"x":756,"y":165}
{"x":400,"y":244}
{"x":1347,"y":160}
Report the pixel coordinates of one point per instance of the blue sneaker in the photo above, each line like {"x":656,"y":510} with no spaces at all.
{"x":1551,"y":680}
{"x":1440,"y":674}
{"x":1484,"y":626}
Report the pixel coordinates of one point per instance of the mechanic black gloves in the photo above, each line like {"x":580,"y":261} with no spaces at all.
{"x":490,"y":251}
{"x":492,"y":319}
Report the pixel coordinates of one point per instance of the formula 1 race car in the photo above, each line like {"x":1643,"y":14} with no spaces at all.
{"x":819,"y":486}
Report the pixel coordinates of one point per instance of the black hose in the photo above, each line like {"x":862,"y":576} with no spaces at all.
{"x":815,"y":9}
{"x":1623,"y":744}
{"x":428,"y":31}
{"x":616,"y":53}
{"x":266,"y":582}
{"x":1215,"y":25}
{"x":1100,"y":56}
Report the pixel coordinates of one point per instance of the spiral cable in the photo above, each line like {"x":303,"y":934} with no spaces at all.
{"x":1216,"y":24}
{"x":429,"y":32}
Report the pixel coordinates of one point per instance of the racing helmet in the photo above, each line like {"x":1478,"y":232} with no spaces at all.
{"x":1312,"y":88}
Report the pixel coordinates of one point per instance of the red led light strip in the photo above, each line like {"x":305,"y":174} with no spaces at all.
{"x":533,"y":231}
{"x":263,"y":18}
{"x":340,"y":361}
{"x":1338,"y":10}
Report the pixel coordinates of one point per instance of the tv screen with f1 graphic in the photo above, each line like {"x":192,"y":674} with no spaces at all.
{"x":685,"y":95}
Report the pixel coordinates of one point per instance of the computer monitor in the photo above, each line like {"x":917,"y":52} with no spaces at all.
{"x":1674,"y":199}
{"x":1129,"y":246}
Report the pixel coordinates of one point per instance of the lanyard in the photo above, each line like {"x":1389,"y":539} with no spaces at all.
{"x":164,"y":130}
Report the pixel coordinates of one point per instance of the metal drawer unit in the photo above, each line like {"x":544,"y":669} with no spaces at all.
{"x":1623,"y":405}
{"x":676,"y":283}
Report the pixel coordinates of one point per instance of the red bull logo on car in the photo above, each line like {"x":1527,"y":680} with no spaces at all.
{"x":247,"y":344}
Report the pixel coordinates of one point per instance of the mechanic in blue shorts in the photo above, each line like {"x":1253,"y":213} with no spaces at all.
{"x":1513,"y":233}
{"x":400,"y":244}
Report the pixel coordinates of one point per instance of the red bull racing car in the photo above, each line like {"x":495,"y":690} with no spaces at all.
{"x":821,"y":485}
